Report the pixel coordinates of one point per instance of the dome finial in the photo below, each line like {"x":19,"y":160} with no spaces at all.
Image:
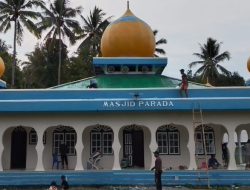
{"x":127,"y":4}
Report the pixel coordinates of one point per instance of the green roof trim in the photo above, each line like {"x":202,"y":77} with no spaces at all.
{"x":128,"y":81}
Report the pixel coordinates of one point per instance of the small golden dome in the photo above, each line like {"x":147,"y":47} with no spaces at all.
{"x":248,"y":64}
{"x":128,"y":36}
{"x":2,"y":67}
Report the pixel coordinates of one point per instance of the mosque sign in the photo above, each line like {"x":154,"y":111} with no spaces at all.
{"x":138,"y":104}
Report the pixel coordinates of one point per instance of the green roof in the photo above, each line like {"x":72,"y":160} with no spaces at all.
{"x":127,"y":81}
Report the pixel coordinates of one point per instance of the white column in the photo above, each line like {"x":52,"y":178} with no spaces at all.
{"x":116,"y":148}
{"x":153,"y":144}
{"x":1,"y":147}
{"x":39,"y":149}
{"x":79,"y":148}
{"x":191,"y":148}
{"x":239,"y":146}
{"x":231,"y":148}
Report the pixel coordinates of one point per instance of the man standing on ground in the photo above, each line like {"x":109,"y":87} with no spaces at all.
{"x":63,"y":152}
{"x":184,"y":83}
{"x":158,"y":170}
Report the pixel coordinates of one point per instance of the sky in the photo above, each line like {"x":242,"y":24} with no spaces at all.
{"x":184,"y":23}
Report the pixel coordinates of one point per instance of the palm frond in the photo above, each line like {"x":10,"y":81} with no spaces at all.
{"x":32,"y":3}
{"x":5,"y":25}
{"x":85,"y":43}
{"x":74,"y":24}
{"x":195,"y":63}
{"x":161,"y":41}
{"x":69,"y":34}
{"x":30,"y":14}
{"x":50,"y":33}
{"x":201,"y":56}
{"x":155,"y":32}
{"x":222,"y":57}
{"x":223,"y":70}
{"x":19,"y":33}
{"x":160,"y":51}
{"x":199,"y":71}
{"x":30,"y":26}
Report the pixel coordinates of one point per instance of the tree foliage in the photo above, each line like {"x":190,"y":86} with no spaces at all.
{"x":210,"y":58}
{"x":21,"y":13}
{"x":40,"y":71}
{"x":60,"y":21}
{"x":159,"y":42}
{"x":8,"y":60}
{"x":233,"y":79}
{"x":94,"y":26}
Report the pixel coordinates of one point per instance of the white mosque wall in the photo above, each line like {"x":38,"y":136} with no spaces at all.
{"x":220,"y":121}
{"x":147,"y":151}
{"x":6,"y":152}
{"x":31,"y":158}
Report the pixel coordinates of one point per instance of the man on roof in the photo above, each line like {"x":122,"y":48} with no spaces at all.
{"x":184,"y":83}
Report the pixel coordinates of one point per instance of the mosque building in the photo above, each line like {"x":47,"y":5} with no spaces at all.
{"x":131,"y":111}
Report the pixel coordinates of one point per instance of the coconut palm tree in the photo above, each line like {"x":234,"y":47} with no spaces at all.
{"x":94,"y":26}
{"x":60,"y":20}
{"x":19,"y":12}
{"x":209,"y":59}
{"x":157,"y":43}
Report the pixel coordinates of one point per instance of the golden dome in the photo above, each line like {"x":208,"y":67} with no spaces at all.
{"x":128,"y":36}
{"x":2,"y":67}
{"x":248,"y":64}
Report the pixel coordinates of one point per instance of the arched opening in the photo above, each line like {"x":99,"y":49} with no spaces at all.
{"x":98,"y":138}
{"x":133,"y":145}
{"x":18,"y":148}
{"x":172,"y":142}
{"x":64,"y":136}
{"x":204,"y":145}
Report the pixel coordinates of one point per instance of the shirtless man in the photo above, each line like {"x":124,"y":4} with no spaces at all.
{"x":184,"y":83}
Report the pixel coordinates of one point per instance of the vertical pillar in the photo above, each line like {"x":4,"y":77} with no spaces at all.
{"x":153,"y":144}
{"x":239,"y":146}
{"x":191,"y":148}
{"x":116,"y":148}
{"x":39,"y":149}
{"x":1,"y":147}
{"x":79,"y":148}
{"x":231,"y":148}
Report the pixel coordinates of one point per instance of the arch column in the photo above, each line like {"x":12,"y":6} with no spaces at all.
{"x":248,"y":132}
{"x":239,"y":145}
{"x":39,"y":148}
{"x":79,"y":148}
{"x":1,"y":146}
{"x":231,"y":148}
{"x":116,"y":146}
{"x":153,"y":144}
{"x":191,"y":149}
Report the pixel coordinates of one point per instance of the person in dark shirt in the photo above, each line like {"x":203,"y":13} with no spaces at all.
{"x":213,"y":163}
{"x":184,"y":83}
{"x":64,"y":184}
{"x":158,"y":170}
{"x":225,"y":154}
{"x":63,"y":151}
